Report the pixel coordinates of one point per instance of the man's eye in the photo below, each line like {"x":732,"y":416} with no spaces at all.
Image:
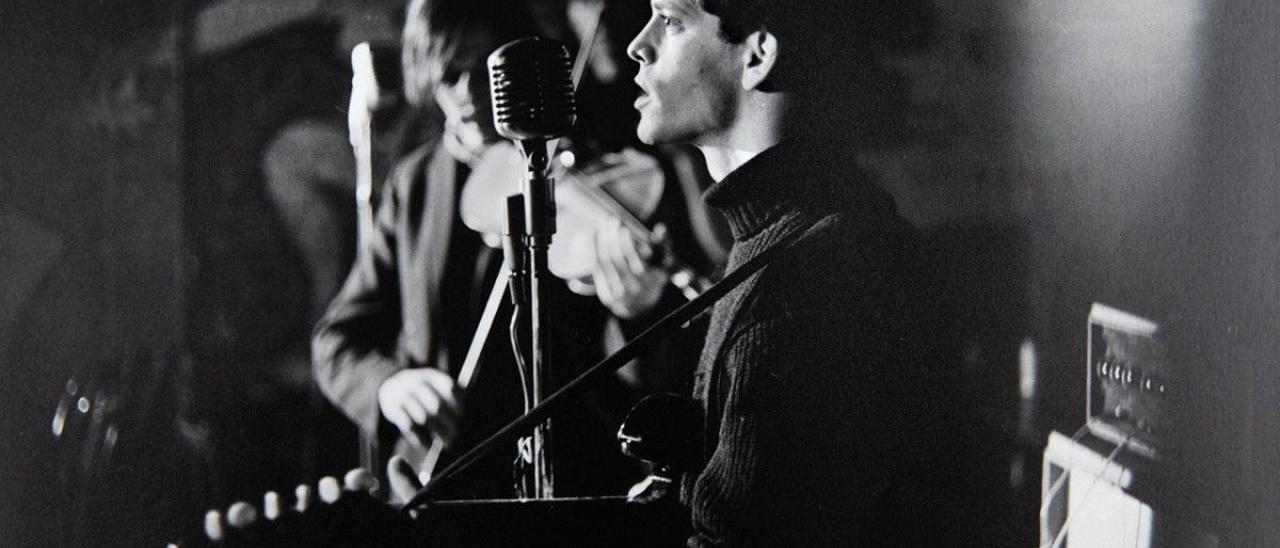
{"x":669,"y":22}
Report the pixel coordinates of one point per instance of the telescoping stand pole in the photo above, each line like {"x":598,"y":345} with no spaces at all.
{"x":540,"y":226}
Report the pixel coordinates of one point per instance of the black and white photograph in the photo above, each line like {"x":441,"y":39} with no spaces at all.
{"x":640,"y":273}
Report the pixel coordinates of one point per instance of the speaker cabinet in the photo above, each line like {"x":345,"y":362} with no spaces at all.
{"x":1095,"y":494}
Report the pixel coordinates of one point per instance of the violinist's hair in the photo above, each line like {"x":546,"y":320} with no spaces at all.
{"x":435,"y":31}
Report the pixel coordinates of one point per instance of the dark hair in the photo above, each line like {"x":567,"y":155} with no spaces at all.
{"x":435,"y":30}
{"x":816,"y":34}
{"x":832,"y":53}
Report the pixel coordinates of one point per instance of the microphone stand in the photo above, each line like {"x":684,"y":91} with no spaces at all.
{"x":509,"y":281}
{"x":669,"y":324}
{"x":540,"y":226}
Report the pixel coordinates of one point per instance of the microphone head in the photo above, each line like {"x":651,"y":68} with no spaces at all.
{"x":531,"y":85}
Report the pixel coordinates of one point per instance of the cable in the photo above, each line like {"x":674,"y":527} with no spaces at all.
{"x":1062,"y":480}
{"x":1066,"y":524}
{"x":519,"y":357}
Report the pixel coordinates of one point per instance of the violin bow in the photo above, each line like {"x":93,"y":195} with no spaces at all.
{"x":580,"y":61}
{"x":471,"y":363}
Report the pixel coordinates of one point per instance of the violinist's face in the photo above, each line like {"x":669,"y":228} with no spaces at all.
{"x":462,"y":94}
{"x":689,"y":75}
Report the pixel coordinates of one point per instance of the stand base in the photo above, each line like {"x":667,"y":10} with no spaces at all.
{"x":606,"y":521}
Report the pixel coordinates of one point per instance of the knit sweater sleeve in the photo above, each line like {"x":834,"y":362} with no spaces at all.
{"x":801,"y":452}
{"x":762,"y":485}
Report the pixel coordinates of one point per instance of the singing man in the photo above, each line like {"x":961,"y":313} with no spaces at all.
{"x":823,"y":376}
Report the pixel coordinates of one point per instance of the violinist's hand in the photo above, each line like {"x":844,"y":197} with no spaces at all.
{"x":423,"y":403}
{"x":625,"y":281}
{"x":404,"y":480}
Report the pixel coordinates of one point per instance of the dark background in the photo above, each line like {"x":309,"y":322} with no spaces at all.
{"x":1058,"y":154}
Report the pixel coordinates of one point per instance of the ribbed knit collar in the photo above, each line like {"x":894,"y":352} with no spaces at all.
{"x":787,"y":177}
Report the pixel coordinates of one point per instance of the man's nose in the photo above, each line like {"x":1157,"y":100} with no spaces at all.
{"x":639,"y":48}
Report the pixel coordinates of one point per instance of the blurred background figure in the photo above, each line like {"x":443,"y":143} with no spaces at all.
{"x":390,"y":348}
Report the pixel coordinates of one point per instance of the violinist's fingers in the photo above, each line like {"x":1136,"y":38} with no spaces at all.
{"x":582,"y":286}
{"x":441,"y":419}
{"x":411,"y":435}
{"x":403,"y":479}
{"x":414,"y":410}
{"x":633,"y":253}
{"x":448,"y":391}
{"x":603,"y":291}
{"x":607,"y":276}
{"x":617,"y":243}
{"x":396,"y":415}
{"x":421,"y":403}
{"x":625,"y":281}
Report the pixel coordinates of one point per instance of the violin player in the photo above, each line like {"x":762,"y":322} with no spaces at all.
{"x":825,"y":378}
{"x":388,"y":350}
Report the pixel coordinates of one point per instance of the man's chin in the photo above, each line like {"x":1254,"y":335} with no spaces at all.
{"x":648,"y":134}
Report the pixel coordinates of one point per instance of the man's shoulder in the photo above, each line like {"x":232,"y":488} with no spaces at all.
{"x":853,"y":261}
{"x":857,"y":238}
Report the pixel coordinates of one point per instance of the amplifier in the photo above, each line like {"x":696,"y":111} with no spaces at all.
{"x":1094,"y":494}
{"x":1127,"y":379}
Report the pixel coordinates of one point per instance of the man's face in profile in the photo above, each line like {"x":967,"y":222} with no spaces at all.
{"x":689,"y":75}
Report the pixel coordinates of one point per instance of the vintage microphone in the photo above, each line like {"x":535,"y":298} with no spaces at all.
{"x":531,"y":87}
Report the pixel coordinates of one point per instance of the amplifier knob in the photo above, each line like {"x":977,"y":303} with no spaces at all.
{"x":1154,"y":384}
{"x":1130,"y":375}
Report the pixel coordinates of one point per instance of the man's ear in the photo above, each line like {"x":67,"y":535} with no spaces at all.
{"x":759,"y":57}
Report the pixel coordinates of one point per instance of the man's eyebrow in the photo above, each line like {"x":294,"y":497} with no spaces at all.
{"x":679,"y":6}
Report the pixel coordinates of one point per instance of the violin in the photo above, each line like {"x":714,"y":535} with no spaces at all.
{"x":624,"y":187}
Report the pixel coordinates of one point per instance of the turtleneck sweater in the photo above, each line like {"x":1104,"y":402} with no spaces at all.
{"x":809,"y":366}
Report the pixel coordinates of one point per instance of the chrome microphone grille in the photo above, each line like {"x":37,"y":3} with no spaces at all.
{"x":531,"y":85}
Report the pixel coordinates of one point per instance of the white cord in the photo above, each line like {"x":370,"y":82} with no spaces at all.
{"x":1062,"y":480}
{"x":1066,"y":524}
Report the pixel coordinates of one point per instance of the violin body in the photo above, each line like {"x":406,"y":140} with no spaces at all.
{"x":624,"y":187}
{"x":616,"y":187}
